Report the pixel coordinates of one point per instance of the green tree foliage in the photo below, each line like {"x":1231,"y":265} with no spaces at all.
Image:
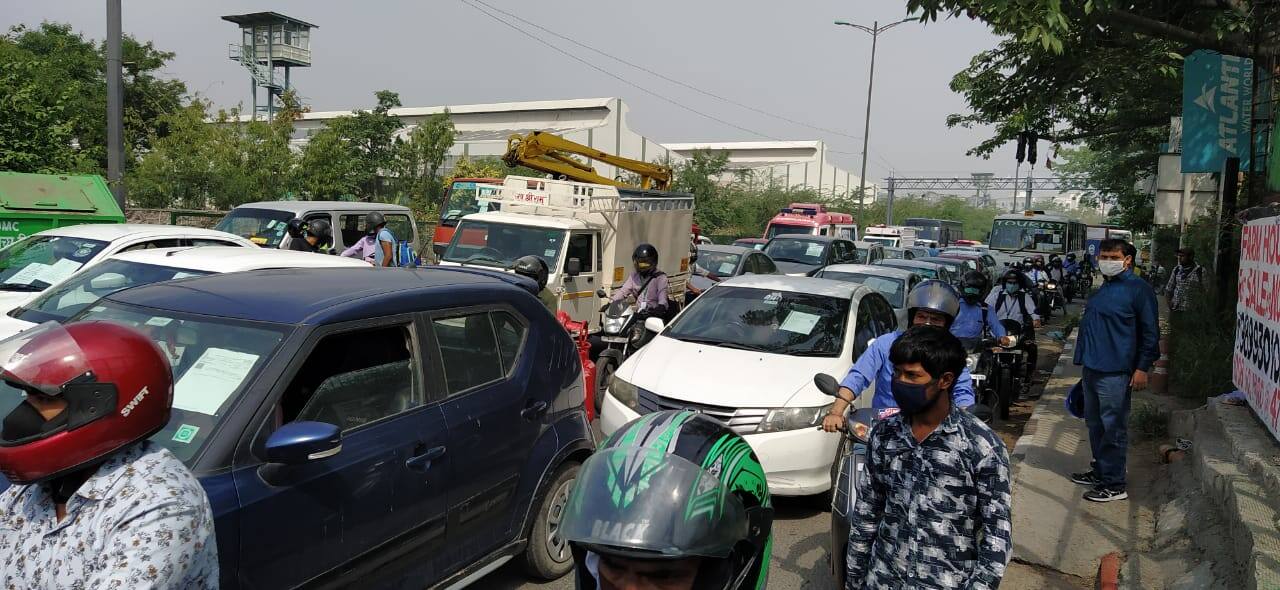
{"x":418,"y":160}
{"x":36,"y":133}
{"x":326,"y":170}
{"x":485,"y":167}
{"x":369,"y":139}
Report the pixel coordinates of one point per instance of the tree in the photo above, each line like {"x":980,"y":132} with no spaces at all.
{"x":370,"y":140}
{"x":35,"y":133}
{"x":699,"y":175}
{"x":181,"y":169}
{"x":418,"y":161}
{"x":326,"y":170}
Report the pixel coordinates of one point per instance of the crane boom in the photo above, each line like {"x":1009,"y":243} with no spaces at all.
{"x":550,"y":153}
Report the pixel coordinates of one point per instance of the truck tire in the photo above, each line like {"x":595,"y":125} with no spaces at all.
{"x":547,"y":555}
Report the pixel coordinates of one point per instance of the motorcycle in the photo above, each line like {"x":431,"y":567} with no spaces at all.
{"x":1010,"y":367}
{"x":1071,"y":286}
{"x":1049,"y":298}
{"x":980,"y":362}
{"x":622,"y":332}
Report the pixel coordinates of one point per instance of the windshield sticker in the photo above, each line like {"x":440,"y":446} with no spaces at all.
{"x":258,"y":240}
{"x":726,"y":268}
{"x":271,"y":223}
{"x":211,"y":380}
{"x":97,"y":309}
{"x":183,"y":275}
{"x":159,"y":321}
{"x":31,"y":272}
{"x":800,"y":322}
{"x":549,"y":253}
{"x":813,"y":250}
{"x":773,"y":298}
{"x":186,"y":433}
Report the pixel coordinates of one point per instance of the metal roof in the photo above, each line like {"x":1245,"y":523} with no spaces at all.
{"x":265,"y":18}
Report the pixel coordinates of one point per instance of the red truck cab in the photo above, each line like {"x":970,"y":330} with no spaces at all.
{"x":811,"y":219}
{"x":464,"y":197}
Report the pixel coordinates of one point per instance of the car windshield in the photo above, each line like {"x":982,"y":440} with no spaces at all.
{"x":928,"y":273}
{"x":778,"y":229}
{"x":214,"y":360}
{"x":467,"y":197}
{"x":264,"y":227}
{"x":765,"y":320}
{"x":893,"y":253}
{"x":83,"y":289}
{"x":861,"y":255}
{"x":35,"y":263}
{"x":1028,"y":234}
{"x":500,"y":244}
{"x":718,"y":263}
{"x":895,"y":290}
{"x":796,"y":250}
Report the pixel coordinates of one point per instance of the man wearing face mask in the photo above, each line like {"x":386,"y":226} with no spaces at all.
{"x":975,"y":319}
{"x":93,"y":503}
{"x":931,"y":303}
{"x":941,"y":466}
{"x":1012,"y":300}
{"x":1118,"y":343}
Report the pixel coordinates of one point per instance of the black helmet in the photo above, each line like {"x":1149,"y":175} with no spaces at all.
{"x":533,"y":267}
{"x":933,"y":295}
{"x":1071,"y":256}
{"x":645,"y":258}
{"x":671,"y":485}
{"x":974,"y":286}
{"x":1055,"y":262}
{"x":295,"y":227}
{"x":373,"y":220}
{"x":1014,"y":275}
{"x":321,"y":230}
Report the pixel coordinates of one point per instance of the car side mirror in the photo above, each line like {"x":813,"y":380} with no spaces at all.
{"x":573,"y":267}
{"x":110,"y":280}
{"x":303,"y":442}
{"x":827,"y":384}
{"x":654,"y":325}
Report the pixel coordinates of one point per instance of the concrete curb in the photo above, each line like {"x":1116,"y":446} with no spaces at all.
{"x":1225,"y":460}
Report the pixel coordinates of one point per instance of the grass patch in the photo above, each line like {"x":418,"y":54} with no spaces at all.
{"x":1147,"y":421}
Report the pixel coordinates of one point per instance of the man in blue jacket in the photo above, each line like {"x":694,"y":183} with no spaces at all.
{"x":930,"y":303}
{"x":1118,"y":343}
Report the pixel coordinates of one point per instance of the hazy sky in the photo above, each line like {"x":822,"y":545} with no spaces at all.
{"x":785,"y":58}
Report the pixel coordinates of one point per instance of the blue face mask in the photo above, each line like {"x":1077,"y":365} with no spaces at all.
{"x":1010,"y":287}
{"x":912,"y":398}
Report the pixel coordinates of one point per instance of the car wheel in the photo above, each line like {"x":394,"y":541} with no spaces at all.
{"x":605,"y":368}
{"x":547,"y":555}
{"x":841,"y":450}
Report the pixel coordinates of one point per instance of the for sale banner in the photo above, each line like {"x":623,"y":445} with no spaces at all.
{"x":1256,"y":366}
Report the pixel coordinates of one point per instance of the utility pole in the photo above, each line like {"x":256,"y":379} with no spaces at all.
{"x":115,"y":105}
{"x":874,"y":30}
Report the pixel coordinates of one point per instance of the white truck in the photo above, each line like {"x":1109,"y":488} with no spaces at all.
{"x":892,"y":236}
{"x":585,"y":233}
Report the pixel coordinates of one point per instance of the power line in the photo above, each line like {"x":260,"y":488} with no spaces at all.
{"x":667,"y":78}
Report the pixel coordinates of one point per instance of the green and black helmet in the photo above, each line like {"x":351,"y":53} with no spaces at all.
{"x":674,"y":485}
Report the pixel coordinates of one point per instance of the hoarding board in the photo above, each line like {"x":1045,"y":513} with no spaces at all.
{"x":1256,"y":362}
{"x":1217,"y":99}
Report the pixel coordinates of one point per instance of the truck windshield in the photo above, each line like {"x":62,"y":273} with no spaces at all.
{"x":881,"y":240}
{"x":1028,"y":234}
{"x":500,"y":244}
{"x":35,"y":263}
{"x":778,"y":229}
{"x":65,"y":300}
{"x":467,"y":197}
{"x":264,"y":227}
{"x":778,"y":322}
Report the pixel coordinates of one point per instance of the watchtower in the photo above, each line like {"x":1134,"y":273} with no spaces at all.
{"x":269,"y":42}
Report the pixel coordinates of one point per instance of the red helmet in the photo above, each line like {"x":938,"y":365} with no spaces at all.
{"x":117,"y":384}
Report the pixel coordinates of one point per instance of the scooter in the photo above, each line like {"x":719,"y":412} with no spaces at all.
{"x":980,"y":362}
{"x":1010,"y":367}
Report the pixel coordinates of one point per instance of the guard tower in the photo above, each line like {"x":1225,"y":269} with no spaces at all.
{"x":269,"y":43}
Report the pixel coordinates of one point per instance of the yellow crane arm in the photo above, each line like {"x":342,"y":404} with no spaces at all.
{"x":549,"y":153}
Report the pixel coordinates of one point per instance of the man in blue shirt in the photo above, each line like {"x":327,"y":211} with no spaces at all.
{"x":930,"y":303}
{"x":974,"y":318}
{"x":1118,"y":343}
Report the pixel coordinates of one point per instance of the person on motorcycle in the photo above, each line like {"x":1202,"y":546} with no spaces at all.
{"x":672,"y":500}
{"x":1071,"y":266}
{"x":932,"y":303}
{"x":534,"y":267}
{"x":974,"y":319}
{"x":647,"y":284}
{"x":91,"y":502}
{"x":1012,"y":300}
{"x":1057,"y":272}
{"x":314,"y":236}
{"x":1038,"y":271}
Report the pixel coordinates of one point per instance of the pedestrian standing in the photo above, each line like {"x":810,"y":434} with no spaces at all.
{"x":92,"y":503}
{"x":1185,"y":281}
{"x":933,"y":511}
{"x":1118,"y":343}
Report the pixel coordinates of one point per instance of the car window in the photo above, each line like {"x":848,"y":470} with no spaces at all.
{"x":843,"y":252}
{"x":765,"y":266}
{"x":845,"y":232}
{"x":511,"y":336}
{"x":151,"y":244}
{"x":202,"y":242}
{"x":352,"y":228}
{"x":866,"y":329}
{"x":355,"y":378}
{"x":468,"y":350}
{"x":886,"y":320}
{"x":83,"y":289}
{"x":908,"y":255}
{"x":264,"y":227}
{"x":580,"y":248}
{"x":724,"y":264}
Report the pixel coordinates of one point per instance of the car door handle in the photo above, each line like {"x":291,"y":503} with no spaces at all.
{"x":534,"y":410}
{"x":423,"y":462}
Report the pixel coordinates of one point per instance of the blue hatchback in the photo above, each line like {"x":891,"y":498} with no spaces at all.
{"x":369,"y":427}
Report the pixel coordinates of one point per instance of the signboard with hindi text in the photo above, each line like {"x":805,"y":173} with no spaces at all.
{"x":1256,"y":362}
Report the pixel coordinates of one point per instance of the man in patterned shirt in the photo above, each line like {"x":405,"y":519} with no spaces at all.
{"x":92,"y":503}
{"x":933,"y":509}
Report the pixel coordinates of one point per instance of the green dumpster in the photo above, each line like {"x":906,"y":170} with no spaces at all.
{"x":31,"y":203}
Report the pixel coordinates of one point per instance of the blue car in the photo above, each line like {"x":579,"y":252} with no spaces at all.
{"x":370,"y":428}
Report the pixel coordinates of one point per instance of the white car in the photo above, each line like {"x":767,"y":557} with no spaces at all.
{"x":45,"y":259}
{"x":144,"y":267}
{"x":745,"y":353}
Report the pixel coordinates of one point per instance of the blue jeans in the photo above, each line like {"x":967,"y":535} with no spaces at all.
{"x":1106,"y":412}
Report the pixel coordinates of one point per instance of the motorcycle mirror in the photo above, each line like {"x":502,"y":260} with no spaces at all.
{"x":827,"y":384}
{"x":601,"y":294}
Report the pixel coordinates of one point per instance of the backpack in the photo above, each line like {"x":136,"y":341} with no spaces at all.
{"x":405,"y":255}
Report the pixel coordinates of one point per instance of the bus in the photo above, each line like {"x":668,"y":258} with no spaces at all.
{"x":464,"y":197}
{"x":1035,"y":232}
{"x":943,"y":231}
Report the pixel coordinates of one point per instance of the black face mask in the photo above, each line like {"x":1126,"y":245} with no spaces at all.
{"x":25,"y":421}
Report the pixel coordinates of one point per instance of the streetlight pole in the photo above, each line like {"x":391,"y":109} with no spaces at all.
{"x":115,"y":108}
{"x":874,"y":30}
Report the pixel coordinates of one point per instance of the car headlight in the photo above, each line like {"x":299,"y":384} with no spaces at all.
{"x":623,"y":391}
{"x":780,"y":419}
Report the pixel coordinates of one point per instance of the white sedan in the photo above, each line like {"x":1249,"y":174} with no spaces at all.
{"x":745,"y":353}
{"x":144,"y":267}
{"x":45,"y":259}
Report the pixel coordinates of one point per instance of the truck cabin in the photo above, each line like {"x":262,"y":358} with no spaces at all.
{"x":811,"y":219}
{"x":464,"y":197}
{"x":890,"y":236}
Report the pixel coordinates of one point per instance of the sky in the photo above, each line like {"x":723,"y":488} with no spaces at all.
{"x":783,"y":58}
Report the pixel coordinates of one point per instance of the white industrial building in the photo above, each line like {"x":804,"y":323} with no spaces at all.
{"x":796,"y":164}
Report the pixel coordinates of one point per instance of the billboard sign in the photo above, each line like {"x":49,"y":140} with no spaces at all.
{"x":1217,"y":100}
{"x":1255,"y":367}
